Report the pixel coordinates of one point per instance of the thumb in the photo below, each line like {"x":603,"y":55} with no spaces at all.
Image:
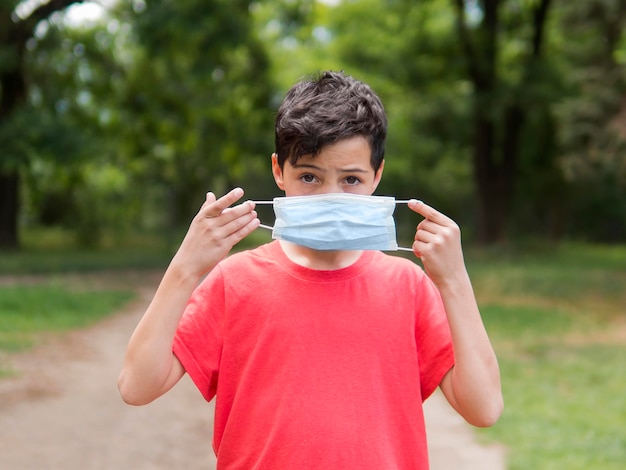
{"x":210,"y":199}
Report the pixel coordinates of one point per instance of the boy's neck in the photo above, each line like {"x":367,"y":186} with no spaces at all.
{"x":320,"y":260}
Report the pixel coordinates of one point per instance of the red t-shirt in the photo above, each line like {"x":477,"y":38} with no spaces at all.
{"x":316,"y":369}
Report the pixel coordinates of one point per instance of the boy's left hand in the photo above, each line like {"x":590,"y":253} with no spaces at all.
{"x":438,"y":244}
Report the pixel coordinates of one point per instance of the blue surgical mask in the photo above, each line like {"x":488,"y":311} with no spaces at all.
{"x":339,"y":221}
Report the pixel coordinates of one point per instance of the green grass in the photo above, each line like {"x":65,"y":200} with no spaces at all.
{"x":53,"y":251}
{"x":557,"y":319}
{"x":564,"y":408}
{"x":71,"y":260}
{"x":27,"y":310}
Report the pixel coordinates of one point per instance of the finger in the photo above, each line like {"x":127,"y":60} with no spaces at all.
{"x":428,"y":226}
{"x":208,"y":200}
{"x":241,"y":226}
{"x":244,"y":231}
{"x":416,"y":249}
{"x":428,"y":212}
{"x":425,"y":236}
{"x":230,"y":214}
{"x":228,"y":199}
{"x":217,"y":206}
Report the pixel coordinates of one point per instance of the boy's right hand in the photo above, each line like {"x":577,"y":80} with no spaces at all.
{"x":214,"y":231}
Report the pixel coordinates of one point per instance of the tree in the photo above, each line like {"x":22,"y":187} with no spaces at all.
{"x":500,"y":109}
{"x":16,"y":29}
{"x":153,"y":106}
{"x":593,"y":135}
{"x":474,"y":92}
{"x":74,"y":179}
{"x":195,"y":106}
{"x":407,"y":51}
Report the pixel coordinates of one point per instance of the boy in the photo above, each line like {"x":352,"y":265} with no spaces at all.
{"x":317,"y":359}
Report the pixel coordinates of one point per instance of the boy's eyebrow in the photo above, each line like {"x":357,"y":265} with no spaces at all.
{"x":307,"y":165}
{"x":343,"y":170}
{"x":354,"y":170}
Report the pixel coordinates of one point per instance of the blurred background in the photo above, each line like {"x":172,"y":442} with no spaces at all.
{"x":117,"y":116}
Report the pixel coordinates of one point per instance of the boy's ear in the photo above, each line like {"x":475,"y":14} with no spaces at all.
{"x":277,"y":172}
{"x":379,"y":175}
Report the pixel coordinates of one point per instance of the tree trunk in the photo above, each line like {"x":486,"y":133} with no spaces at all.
{"x":484,"y":176}
{"x":13,"y":92}
{"x":9,"y":208}
{"x":495,"y":161}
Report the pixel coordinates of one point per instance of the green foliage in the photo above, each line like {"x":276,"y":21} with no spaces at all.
{"x":592,"y":136}
{"x":135,"y":117}
{"x":203,"y":118}
{"x":413,"y":56}
{"x":131,"y":119}
{"x":66,"y":153}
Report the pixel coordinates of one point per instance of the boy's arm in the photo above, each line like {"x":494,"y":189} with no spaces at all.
{"x":150,"y":368}
{"x":472,"y":386}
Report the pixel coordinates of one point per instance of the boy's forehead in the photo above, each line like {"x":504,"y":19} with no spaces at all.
{"x":339,"y":159}
{"x":355,"y":148}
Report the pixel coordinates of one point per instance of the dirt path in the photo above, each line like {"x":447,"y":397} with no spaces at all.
{"x":63,"y":412}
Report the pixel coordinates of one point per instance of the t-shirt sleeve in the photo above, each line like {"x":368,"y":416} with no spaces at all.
{"x":432,"y":334}
{"x":199,"y":337}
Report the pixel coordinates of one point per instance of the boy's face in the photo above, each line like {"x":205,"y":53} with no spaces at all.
{"x":343,"y":167}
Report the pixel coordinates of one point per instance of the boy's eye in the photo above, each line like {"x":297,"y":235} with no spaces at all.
{"x":308,"y":178}
{"x":352,"y":180}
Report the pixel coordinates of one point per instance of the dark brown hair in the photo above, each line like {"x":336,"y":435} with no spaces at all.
{"x":325,"y":110}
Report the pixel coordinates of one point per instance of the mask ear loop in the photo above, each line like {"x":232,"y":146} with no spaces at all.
{"x":405,"y":201}
{"x":266,"y":227}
